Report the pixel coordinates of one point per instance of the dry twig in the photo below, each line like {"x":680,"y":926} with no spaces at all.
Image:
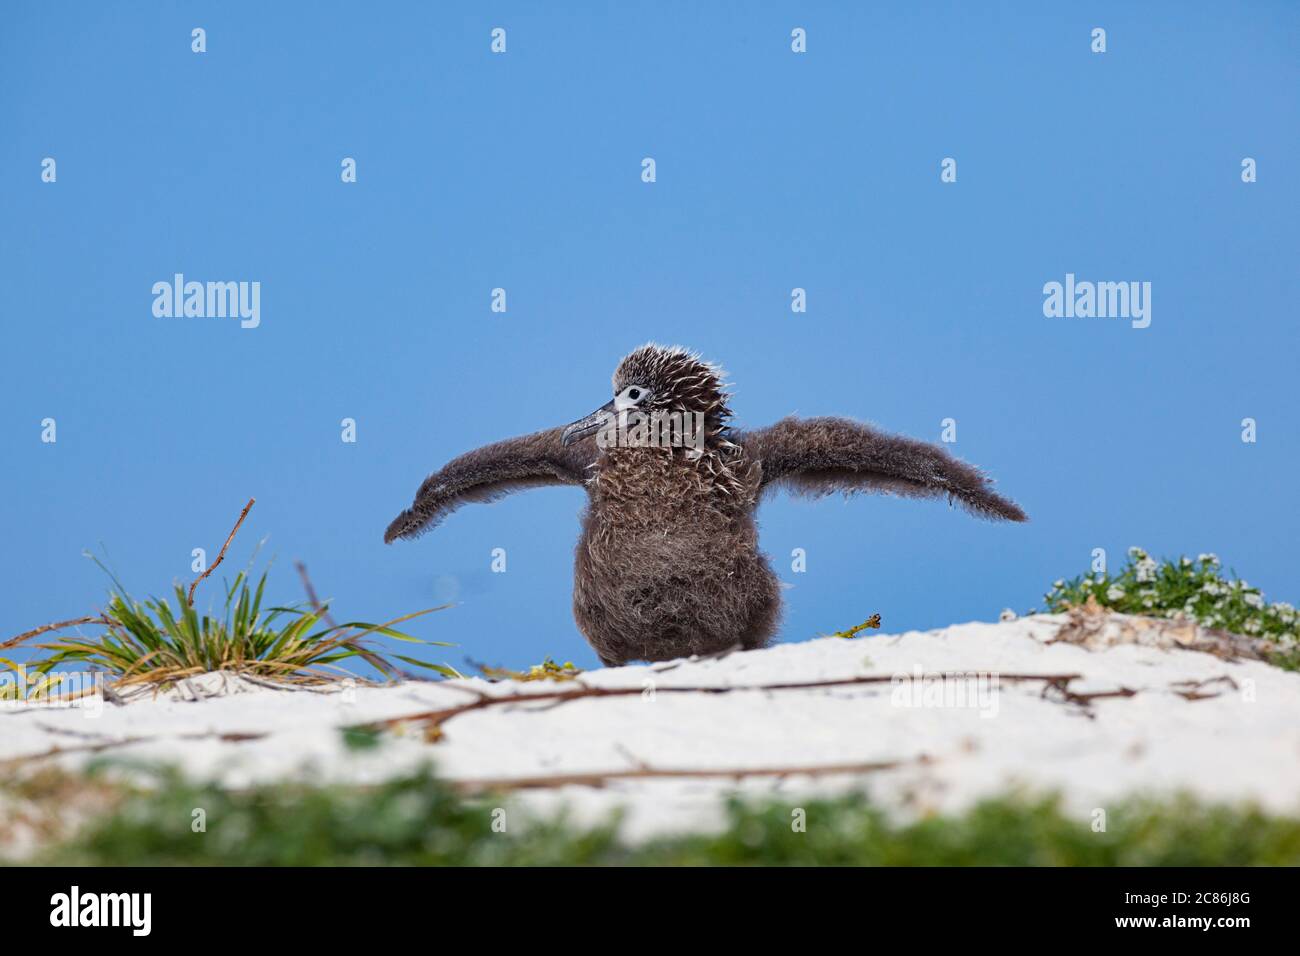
{"x":222,"y":553}
{"x":436,"y":718}
{"x":321,"y":610}
{"x":602,"y":777}
{"x":56,"y":626}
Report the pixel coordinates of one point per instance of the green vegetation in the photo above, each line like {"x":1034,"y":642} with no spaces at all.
{"x":871,"y":623}
{"x":152,"y":642}
{"x":1194,"y":590}
{"x":419,"y":820}
{"x":546,"y":670}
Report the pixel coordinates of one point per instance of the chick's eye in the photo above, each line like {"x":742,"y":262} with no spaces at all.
{"x":633,"y":394}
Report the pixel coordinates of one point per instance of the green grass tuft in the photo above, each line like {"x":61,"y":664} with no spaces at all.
{"x":156,"y":642}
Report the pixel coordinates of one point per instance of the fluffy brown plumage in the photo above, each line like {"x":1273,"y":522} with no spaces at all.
{"x":668,"y":564}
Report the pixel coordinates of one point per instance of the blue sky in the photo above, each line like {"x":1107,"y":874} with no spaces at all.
{"x":522,"y":171}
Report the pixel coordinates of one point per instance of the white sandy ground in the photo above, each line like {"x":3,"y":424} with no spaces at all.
{"x":1240,"y":741}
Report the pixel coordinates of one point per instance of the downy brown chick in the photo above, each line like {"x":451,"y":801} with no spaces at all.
{"x":668,"y":564}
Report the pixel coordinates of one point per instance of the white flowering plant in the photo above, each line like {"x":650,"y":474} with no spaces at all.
{"x":1183,"y":589}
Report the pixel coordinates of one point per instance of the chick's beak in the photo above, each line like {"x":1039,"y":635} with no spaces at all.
{"x":585,"y":426}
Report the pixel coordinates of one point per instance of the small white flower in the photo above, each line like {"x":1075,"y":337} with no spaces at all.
{"x":1115,"y":593}
{"x":1136,"y":552}
{"x":1208,"y":559}
{"x":1058,"y":584}
{"x":1146,"y":569}
{"x":1007,"y":615}
{"x":1252,"y":626}
{"x":1185,"y":561}
{"x":1254,"y":600}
